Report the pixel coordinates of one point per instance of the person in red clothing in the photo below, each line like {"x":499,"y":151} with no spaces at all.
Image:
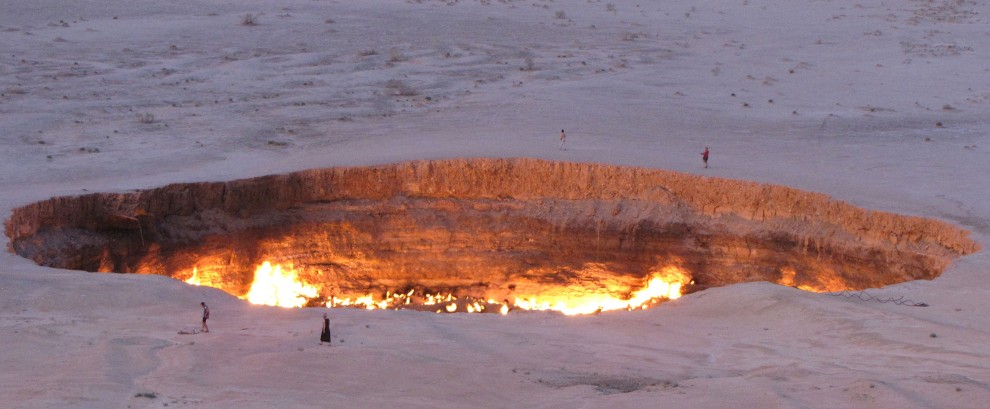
{"x":704,"y":156}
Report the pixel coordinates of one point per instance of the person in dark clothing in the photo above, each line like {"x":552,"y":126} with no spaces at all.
{"x":206,"y":316}
{"x":704,"y":156}
{"x":325,"y":335}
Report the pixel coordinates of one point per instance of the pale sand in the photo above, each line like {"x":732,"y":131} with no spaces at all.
{"x":182,"y":91}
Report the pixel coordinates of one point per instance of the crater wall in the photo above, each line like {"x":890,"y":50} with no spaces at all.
{"x":486,"y":227}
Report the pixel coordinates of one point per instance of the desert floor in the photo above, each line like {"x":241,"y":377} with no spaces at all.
{"x":883,"y":104}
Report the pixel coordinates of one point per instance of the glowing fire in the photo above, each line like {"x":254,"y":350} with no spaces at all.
{"x":825,"y":282}
{"x":273,"y":286}
{"x":205,"y":278}
{"x":278,"y":286}
{"x":665,"y":284}
{"x":195,"y":279}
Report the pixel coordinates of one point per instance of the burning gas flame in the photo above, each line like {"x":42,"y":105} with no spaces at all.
{"x":665,"y":284}
{"x":205,"y":278}
{"x":823,"y":282}
{"x":273,"y":286}
{"x":195,"y":279}
{"x":278,"y":286}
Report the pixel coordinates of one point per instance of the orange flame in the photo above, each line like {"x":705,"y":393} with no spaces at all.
{"x":278,"y":286}
{"x":664,"y":284}
{"x":825,"y":281}
{"x":207,"y":279}
{"x":195,"y":279}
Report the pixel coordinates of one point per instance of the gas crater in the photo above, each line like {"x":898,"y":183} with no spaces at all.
{"x":515,"y":233}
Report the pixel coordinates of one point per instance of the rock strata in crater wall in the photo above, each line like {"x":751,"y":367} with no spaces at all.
{"x":486,"y":227}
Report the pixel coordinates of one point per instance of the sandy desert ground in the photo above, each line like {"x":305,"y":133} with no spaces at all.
{"x":883,"y":104}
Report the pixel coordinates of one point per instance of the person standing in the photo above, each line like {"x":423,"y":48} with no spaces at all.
{"x":563,"y":138}
{"x":206,"y":315}
{"x":704,"y":156}
{"x":325,"y":335}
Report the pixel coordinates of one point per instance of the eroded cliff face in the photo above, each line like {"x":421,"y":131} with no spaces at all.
{"x":488,"y":228}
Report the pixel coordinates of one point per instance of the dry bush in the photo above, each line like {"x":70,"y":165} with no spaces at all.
{"x":399,"y":88}
{"x":632,"y":36}
{"x":529,"y":64}
{"x":395,"y":55}
{"x":249,"y":20}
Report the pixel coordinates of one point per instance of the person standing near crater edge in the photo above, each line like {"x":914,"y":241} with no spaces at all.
{"x":325,"y":334}
{"x":704,"y":157}
{"x":206,"y":316}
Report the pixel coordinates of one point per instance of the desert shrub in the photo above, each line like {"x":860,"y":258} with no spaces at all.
{"x":399,"y":88}
{"x":395,"y":55}
{"x":249,"y":20}
{"x":631,"y":36}
{"x":529,"y":64}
